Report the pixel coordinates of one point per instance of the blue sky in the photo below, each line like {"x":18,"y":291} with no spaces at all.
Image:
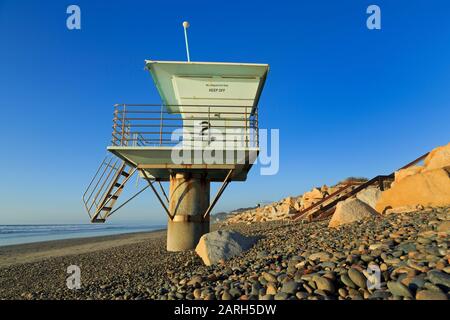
{"x":348,"y":101}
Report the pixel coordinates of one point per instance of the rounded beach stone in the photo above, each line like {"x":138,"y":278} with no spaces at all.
{"x":357,"y":277}
{"x":430,"y":295}
{"x":399,"y":289}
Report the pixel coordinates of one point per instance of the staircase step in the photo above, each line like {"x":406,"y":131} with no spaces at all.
{"x":106,"y":209}
{"x":117,"y":185}
{"x":125,"y":174}
{"x":113,"y":197}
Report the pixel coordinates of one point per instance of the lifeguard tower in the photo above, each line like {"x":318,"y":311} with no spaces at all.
{"x":205,"y":130}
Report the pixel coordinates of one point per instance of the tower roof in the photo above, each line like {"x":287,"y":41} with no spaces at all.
{"x":205,"y":83}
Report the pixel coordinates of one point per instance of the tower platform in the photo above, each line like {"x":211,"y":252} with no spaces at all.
{"x":158,"y":162}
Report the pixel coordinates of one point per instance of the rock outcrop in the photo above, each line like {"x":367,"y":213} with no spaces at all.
{"x":219,"y":246}
{"x":288,"y":207}
{"x":281,"y":210}
{"x":313,"y":196}
{"x":438,"y":158}
{"x":349,"y":211}
{"x":403,"y":173}
{"x":424,"y":186}
{"x":427,"y":189}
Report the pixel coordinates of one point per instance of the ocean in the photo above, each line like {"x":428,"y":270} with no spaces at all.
{"x":18,"y":234}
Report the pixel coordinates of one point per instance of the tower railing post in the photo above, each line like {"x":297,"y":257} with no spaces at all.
{"x":116,"y":111}
{"x":209,"y":125}
{"x":161,"y":126}
{"x":123,"y":126}
{"x":246,"y":130}
{"x":257,"y":127}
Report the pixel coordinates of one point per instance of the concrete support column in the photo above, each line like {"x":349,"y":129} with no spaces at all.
{"x":189,"y":200}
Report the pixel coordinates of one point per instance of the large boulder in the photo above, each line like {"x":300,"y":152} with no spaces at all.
{"x":222,"y":245}
{"x":427,"y":188}
{"x":311,"y":197}
{"x":285,"y":209}
{"x":369,"y":196}
{"x":438,"y":158}
{"x":333,"y":189}
{"x":349,"y":211}
{"x":294,"y":202}
{"x":420,"y":186}
{"x":315,"y":193}
{"x":290,"y":201}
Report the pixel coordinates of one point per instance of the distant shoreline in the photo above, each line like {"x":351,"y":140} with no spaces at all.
{"x":35,"y":251}
{"x":79,"y":239}
{"x":25,"y":234}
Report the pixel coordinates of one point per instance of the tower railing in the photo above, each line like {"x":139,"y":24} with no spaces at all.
{"x":143,"y":125}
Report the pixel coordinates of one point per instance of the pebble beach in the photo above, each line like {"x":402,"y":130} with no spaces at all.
{"x":291,"y":261}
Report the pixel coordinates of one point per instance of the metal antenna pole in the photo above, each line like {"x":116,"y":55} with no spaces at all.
{"x":185,"y":26}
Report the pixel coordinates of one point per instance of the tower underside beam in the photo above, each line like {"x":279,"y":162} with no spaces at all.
{"x":219,"y":193}
{"x":156,"y":193}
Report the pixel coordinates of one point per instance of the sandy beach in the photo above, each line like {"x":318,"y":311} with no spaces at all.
{"x":293,"y":260}
{"x":36,"y":251}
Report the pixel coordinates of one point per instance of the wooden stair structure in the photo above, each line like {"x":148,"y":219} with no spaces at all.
{"x":326,"y":206}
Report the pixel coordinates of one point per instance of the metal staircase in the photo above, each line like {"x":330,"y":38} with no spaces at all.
{"x":108,"y":182}
{"x":105,"y":188}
